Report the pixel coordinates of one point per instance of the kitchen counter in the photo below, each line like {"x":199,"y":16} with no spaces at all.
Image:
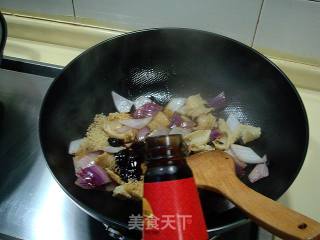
{"x":304,"y":194}
{"x":32,"y":204}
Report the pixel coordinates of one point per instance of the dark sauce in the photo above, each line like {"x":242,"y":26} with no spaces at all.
{"x":129,"y":162}
{"x":115,"y":142}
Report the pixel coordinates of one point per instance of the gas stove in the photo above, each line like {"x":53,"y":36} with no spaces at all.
{"x":32,"y":204}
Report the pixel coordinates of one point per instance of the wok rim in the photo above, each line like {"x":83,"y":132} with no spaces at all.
{"x":3,"y":37}
{"x":105,"y":219}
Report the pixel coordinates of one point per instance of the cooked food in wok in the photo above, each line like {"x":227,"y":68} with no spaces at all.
{"x":111,"y":155}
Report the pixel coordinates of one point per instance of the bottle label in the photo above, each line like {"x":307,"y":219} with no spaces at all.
{"x":172,"y":210}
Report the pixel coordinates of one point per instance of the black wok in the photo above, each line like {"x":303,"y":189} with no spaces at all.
{"x":175,"y":62}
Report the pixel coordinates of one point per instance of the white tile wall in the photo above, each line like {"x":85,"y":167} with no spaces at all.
{"x":290,"y":27}
{"x":233,"y":18}
{"x":52,"y":7}
{"x":287,"y":28}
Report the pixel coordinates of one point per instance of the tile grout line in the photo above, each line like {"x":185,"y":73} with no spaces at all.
{"x":74,"y":10}
{"x":75,"y":23}
{"x":258,"y":20}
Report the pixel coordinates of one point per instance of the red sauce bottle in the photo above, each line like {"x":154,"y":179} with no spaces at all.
{"x":171,"y":204}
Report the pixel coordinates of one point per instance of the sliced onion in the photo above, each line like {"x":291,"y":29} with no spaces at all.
{"x":111,"y":149}
{"x":232,"y":122}
{"x":74,"y":146}
{"x":218,"y":101}
{"x":92,"y":177}
{"x":147,"y":110}
{"x":175,"y":104}
{"x":246,"y":154}
{"x":142,"y":133}
{"x":140,"y":101}
{"x":110,"y":186}
{"x":265,"y":159}
{"x":85,"y":161}
{"x":159,"y":132}
{"x":215,"y":134}
{"x":259,"y":171}
{"x":179,"y":130}
{"x":240,"y":165}
{"x":136,"y":123}
{"x":121,"y":103}
{"x":178,"y":121}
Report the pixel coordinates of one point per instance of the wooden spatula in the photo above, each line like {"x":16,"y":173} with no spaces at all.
{"x":215,"y":170}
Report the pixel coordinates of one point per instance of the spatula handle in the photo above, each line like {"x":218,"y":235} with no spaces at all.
{"x":270,"y":214}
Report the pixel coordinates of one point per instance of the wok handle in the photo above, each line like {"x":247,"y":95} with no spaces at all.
{"x":269,"y":214}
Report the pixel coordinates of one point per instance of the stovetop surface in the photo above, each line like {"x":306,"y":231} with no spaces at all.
{"x":32,"y":205}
